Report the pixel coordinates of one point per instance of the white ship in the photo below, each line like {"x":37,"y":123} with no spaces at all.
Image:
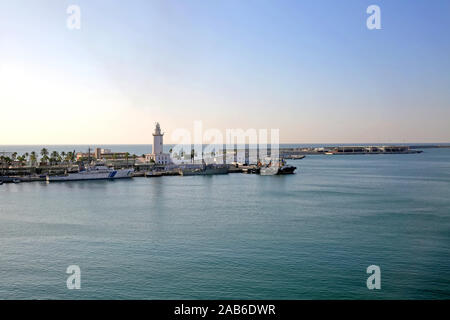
{"x":94,"y":173}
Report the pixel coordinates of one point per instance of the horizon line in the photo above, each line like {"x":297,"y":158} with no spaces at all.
{"x":281,"y":143}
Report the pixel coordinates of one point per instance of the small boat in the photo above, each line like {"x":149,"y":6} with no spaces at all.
{"x":190,"y":172}
{"x":252,"y":170}
{"x":277,"y":169}
{"x":268,"y":171}
{"x":286,"y":169}
{"x":16,"y":180}
{"x":152,"y":174}
{"x":297,"y":157}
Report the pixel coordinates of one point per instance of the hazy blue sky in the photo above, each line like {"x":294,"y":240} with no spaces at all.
{"x":310,"y":68}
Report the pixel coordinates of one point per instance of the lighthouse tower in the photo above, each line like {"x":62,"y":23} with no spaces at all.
{"x":158,"y":155}
{"x":157,"y":140}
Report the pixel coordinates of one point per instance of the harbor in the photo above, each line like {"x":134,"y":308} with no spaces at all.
{"x":25,"y":168}
{"x":101,"y":163}
{"x":104,"y":163}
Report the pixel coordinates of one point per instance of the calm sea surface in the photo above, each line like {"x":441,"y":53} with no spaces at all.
{"x":306,"y":236}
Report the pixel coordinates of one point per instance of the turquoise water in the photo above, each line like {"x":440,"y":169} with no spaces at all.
{"x":306,"y":236}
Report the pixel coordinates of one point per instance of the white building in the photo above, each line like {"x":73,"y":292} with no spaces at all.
{"x":158,"y":154}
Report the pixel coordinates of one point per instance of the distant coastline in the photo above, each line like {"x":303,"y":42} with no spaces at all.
{"x":145,"y":148}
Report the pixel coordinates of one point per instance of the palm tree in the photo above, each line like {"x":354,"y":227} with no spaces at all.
{"x":54,"y":157}
{"x":192,"y":155}
{"x":33,"y":158}
{"x":63,"y":156}
{"x":127,"y":155}
{"x":45,"y":159}
{"x":14,"y":156}
{"x":6,"y":161}
{"x":44,"y":153}
{"x":69,"y":157}
{"x":21,"y":160}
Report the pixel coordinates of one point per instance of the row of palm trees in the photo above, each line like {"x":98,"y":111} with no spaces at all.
{"x":5,"y":160}
{"x":55,"y":158}
{"x":33,"y":159}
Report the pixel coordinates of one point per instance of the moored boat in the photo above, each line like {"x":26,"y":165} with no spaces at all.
{"x":286,"y":169}
{"x":268,"y":171}
{"x":97,"y":172}
{"x":279,"y":168}
{"x":151,"y":174}
{"x":210,"y":169}
{"x":251,"y":170}
{"x":296,"y":157}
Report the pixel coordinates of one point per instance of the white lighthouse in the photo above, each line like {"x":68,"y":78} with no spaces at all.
{"x":157,"y":140}
{"x":158,"y":155}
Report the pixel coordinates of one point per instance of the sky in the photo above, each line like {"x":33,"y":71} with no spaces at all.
{"x":311,"y":69}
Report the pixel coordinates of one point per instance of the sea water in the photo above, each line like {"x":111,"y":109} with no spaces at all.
{"x":311,"y":235}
